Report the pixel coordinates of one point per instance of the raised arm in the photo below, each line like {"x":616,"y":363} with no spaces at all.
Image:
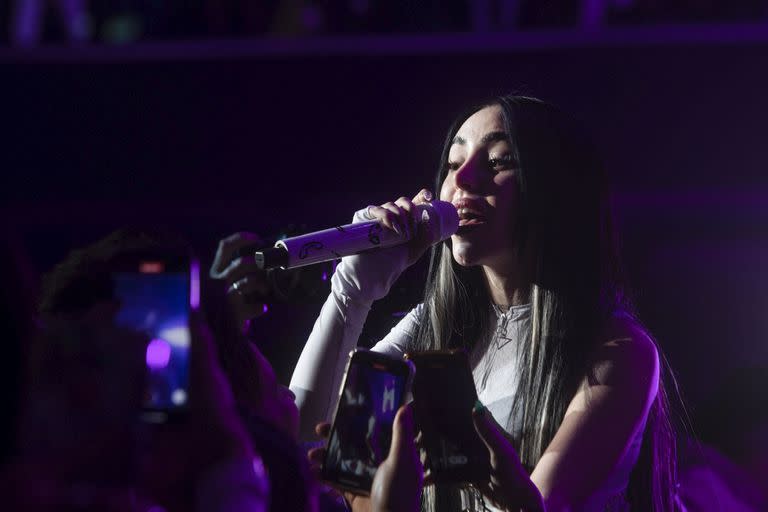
{"x":358,"y":281}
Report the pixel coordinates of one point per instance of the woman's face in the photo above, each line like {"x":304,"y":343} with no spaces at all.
{"x":482,"y":184}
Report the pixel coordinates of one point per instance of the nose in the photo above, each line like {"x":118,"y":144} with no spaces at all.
{"x":468,"y":174}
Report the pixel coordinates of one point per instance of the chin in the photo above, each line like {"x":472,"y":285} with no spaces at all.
{"x":464,"y":254}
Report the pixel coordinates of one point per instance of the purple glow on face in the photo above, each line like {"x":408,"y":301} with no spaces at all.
{"x":264,"y":308}
{"x":325,"y":276}
{"x":158,"y":354}
{"x":194,"y":284}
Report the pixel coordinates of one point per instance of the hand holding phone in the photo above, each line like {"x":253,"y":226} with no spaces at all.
{"x":156,"y":293}
{"x":373,"y":389}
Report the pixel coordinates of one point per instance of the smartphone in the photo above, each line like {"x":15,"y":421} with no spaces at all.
{"x":156,"y":294}
{"x":373,"y":389}
{"x":443,"y":397}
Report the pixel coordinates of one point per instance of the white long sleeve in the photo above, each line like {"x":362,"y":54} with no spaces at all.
{"x":319,"y":369}
{"x":359,"y":280}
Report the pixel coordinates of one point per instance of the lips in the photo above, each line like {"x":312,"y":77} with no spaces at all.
{"x":471,"y":212}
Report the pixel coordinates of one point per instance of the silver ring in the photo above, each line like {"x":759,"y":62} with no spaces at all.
{"x":236,"y":285}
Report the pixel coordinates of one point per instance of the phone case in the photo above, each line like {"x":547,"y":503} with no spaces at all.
{"x":444,"y":395}
{"x":377,"y":361}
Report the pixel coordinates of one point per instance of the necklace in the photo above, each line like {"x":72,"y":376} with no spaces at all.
{"x":500,"y":338}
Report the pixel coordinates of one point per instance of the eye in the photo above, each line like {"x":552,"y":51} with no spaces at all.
{"x":502,"y":162}
{"x":452,"y":166}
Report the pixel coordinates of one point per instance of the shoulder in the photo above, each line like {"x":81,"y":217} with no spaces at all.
{"x":400,"y":338}
{"x":626,"y":357}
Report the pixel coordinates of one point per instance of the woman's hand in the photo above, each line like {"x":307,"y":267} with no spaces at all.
{"x":398,"y":481}
{"x":401,"y":217}
{"x":507,"y":485}
{"x":369,"y":276}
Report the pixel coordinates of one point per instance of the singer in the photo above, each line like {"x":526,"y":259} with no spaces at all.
{"x":574,"y":412}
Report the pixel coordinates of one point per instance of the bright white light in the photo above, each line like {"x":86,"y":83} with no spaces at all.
{"x":179,"y":397}
{"x":176,"y":336}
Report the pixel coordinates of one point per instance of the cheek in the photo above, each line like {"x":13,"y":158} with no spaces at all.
{"x":446,"y":191}
{"x":507,"y":199}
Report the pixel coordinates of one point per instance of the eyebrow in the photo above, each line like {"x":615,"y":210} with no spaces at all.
{"x":488,"y":137}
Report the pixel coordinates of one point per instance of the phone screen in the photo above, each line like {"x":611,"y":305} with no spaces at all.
{"x":362,"y":428}
{"x":155,"y":300}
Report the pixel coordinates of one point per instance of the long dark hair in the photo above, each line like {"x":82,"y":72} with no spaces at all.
{"x":564,"y":222}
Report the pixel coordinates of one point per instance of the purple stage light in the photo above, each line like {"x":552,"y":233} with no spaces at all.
{"x":264,"y":308}
{"x":194,"y":284}
{"x":158,"y":354}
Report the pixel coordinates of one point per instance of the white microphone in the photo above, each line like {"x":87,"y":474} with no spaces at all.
{"x":439,"y":217}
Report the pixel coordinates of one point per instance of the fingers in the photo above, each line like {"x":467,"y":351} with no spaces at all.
{"x":424,"y":196}
{"x":253,"y":286}
{"x":241,"y":267}
{"x":400,"y":215}
{"x":407,"y":215}
{"x":489,"y":431}
{"x":227,"y":249}
{"x":323,"y":429}
{"x":403,"y":435}
{"x":391,"y":216}
{"x":315,"y":457}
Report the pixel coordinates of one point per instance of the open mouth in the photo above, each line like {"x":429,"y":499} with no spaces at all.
{"x":468,"y":217}
{"x":470,"y":213}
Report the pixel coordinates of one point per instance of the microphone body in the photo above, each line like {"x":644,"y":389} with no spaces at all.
{"x":440,"y":218}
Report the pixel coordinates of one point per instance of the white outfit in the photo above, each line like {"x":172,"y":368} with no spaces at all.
{"x":357,"y":282}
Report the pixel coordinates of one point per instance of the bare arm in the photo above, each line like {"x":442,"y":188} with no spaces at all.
{"x":601,"y":420}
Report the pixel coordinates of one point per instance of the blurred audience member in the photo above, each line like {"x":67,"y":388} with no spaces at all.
{"x":82,"y":445}
{"x":266,"y":407}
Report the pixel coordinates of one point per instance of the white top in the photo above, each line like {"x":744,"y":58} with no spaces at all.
{"x":493,"y":360}
{"x":359,"y":281}
{"x":494,"y":368}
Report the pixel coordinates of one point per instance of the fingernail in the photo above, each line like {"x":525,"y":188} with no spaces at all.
{"x":396,"y":228}
{"x":479,"y":408}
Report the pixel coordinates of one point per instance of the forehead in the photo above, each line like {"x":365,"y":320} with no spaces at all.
{"x":482,"y":122}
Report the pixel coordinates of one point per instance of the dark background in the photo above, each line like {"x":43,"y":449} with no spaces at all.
{"x":210,"y":143}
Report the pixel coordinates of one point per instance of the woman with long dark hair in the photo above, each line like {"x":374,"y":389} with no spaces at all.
{"x":530,"y":286}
